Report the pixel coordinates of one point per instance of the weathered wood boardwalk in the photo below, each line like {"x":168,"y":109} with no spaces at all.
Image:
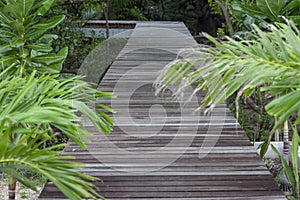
{"x":160,"y":148}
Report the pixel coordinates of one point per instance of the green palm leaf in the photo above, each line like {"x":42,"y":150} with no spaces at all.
{"x":25,"y":154}
{"x":29,"y":108}
{"x":271,"y":7}
{"x":240,"y":67}
{"x":284,"y":106}
{"x":54,"y":102}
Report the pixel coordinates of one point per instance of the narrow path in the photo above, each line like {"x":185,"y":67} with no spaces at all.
{"x":160,"y":148}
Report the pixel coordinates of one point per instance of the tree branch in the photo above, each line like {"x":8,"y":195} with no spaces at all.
{"x":253,"y":105}
{"x":226,"y":15}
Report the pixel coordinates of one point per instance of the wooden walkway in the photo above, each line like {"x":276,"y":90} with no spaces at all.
{"x":159,"y":148}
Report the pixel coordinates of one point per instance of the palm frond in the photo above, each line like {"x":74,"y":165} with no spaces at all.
{"x":32,"y":102}
{"x":26,"y":154}
{"x":240,"y":67}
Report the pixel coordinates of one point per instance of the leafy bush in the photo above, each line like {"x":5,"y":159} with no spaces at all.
{"x":71,"y":36}
{"x":25,"y":45}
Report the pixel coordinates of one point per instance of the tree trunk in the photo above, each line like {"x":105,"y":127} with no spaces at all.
{"x":105,"y":9}
{"x":276,"y":131}
{"x":286,"y":141}
{"x":106,"y":21}
{"x":226,"y":15}
{"x":12,"y":183}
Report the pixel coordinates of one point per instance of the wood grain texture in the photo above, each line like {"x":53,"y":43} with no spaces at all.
{"x":160,"y":148}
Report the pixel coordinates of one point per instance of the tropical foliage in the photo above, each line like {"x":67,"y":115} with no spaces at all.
{"x":292,"y":172}
{"x":241,"y":14}
{"x":269,"y":10}
{"x":35,"y":101}
{"x":24,"y":43}
{"x":30,"y":109}
{"x":26,"y":155}
{"x":79,"y":45}
{"x":196,"y":14}
{"x":269,"y":63}
{"x":45,"y":102}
